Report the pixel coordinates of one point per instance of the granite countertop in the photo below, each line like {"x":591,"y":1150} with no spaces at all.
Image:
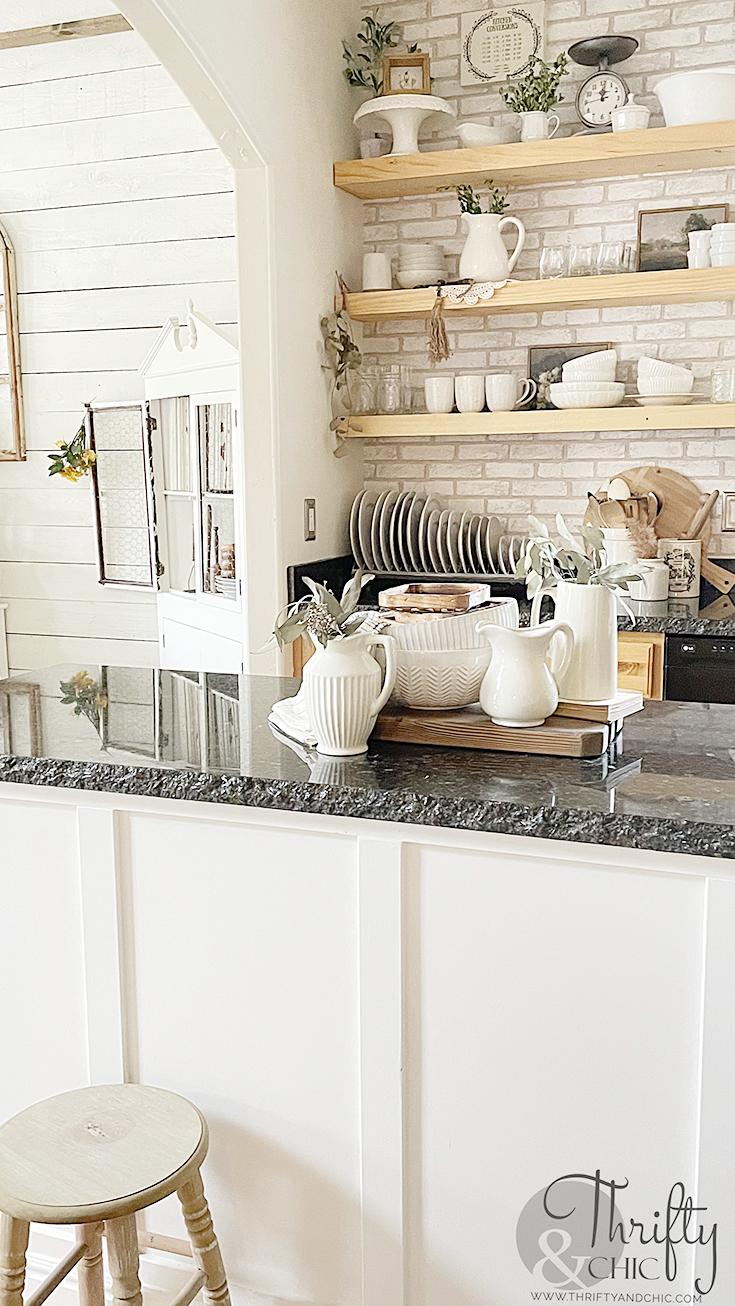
{"x":670,"y":787}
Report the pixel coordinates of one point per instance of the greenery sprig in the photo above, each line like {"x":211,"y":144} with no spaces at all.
{"x":74,"y":459}
{"x":470,"y":201}
{"x":579,"y":562}
{"x":538,"y":91}
{"x":363,"y":66}
{"x":341,"y":354}
{"x":321,"y":614}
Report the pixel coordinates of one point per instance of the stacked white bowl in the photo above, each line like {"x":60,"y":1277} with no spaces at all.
{"x":658,"y":378}
{"x":420,"y":265}
{"x":722,"y":245}
{"x":589,"y":382}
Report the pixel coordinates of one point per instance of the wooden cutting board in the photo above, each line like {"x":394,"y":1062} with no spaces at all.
{"x":470,"y":728}
{"x":679,"y":498}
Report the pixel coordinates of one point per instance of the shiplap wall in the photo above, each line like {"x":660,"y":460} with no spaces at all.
{"x":120,"y":206}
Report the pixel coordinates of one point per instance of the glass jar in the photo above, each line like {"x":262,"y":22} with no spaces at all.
{"x":723,"y":385}
{"x":389,"y":390}
{"x":364,"y":390}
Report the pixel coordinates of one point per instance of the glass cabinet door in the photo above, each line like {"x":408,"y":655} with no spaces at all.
{"x":178,"y":494}
{"x":214,"y":424}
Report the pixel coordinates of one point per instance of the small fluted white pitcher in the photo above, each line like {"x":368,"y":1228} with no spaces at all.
{"x":342,"y":681}
{"x":520,"y":685}
{"x":484,"y":257}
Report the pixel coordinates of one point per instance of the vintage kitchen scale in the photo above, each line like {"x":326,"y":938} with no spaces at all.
{"x":605,"y":91}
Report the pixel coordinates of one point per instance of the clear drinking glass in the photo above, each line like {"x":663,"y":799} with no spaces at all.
{"x":723,"y":385}
{"x":554,"y":262}
{"x":610,"y":258}
{"x":406,"y":388}
{"x":389,"y":389}
{"x":582,"y":261}
{"x":364,"y":390}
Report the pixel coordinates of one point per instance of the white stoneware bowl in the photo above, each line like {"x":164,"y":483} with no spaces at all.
{"x":724,"y":260}
{"x":603,"y":375}
{"x":605,"y":360}
{"x":453,"y":634}
{"x":593,"y":395}
{"x":420,"y":277}
{"x":654,"y":367}
{"x":657,"y":385}
{"x":702,"y":95}
{"x":477,"y":133}
{"x":431,"y":680}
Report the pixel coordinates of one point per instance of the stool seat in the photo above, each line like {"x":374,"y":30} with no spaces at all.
{"x":98,"y":1152}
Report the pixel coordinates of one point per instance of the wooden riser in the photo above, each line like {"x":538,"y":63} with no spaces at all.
{"x":470,"y":728}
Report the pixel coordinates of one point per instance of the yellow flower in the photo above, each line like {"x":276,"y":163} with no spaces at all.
{"x":69,"y":474}
{"x":100,"y":700}
{"x":60,"y":444}
{"x":80,"y":679}
{"x":89,"y":457}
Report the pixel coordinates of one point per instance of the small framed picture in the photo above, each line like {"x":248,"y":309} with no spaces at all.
{"x":728,"y":511}
{"x":663,"y":234}
{"x":546,"y":361}
{"x":406,"y":74}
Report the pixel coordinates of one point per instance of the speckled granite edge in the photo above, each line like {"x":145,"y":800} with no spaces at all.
{"x":695,"y":838}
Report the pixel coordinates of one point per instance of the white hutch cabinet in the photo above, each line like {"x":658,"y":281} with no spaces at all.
{"x":169,"y":494}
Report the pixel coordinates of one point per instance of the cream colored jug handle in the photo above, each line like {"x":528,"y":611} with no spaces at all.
{"x":389,"y":645}
{"x":520,"y":242}
{"x":536,"y":606}
{"x":553,"y":130}
{"x":567,"y":635}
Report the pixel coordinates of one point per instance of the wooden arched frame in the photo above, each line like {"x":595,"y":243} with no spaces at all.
{"x":16,"y":449}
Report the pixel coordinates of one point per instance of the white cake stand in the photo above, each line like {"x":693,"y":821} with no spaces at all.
{"x":405,"y":115}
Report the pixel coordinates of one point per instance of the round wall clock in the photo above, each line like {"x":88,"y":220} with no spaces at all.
{"x":604,"y":91}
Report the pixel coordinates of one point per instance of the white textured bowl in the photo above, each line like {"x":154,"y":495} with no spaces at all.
{"x":659,"y":385}
{"x":702,"y":95}
{"x":425,"y":277}
{"x":650,"y":367}
{"x":456,"y":633}
{"x":431,"y":680}
{"x":477,"y":134}
{"x":603,"y":359}
{"x":586,"y":396}
{"x":724,"y":260}
{"x":603,"y":377}
{"x":611,"y":387}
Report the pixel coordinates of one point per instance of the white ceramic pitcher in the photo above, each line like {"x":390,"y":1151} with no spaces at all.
{"x":592,"y":673}
{"x":520,"y":685}
{"x":343,"y":691}
{"x":484,"y":257}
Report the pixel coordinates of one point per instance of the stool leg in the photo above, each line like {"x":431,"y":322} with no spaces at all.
{"x":122,"y":1245}
{"x":90,"y":1273}
{"x":204,"y":1245}
{"x":13,"y":1245}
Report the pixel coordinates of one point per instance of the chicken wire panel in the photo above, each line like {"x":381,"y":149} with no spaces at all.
{"x":122,"y":475}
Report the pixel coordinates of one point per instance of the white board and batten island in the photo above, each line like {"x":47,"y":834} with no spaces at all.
{"x":413,"y":992}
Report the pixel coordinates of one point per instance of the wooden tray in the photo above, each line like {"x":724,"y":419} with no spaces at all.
{"x":625,"y":703}
{"x":434,"y":597}
{"x":470,"y":728}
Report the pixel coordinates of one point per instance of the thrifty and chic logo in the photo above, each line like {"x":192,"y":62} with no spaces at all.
{"x":571,"y":1235}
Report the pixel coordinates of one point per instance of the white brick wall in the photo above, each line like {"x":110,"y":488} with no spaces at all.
{"x":539,"y":473}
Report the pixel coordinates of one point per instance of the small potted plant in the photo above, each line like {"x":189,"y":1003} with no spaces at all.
{"x":533,"y":97}
{"x":484,"y":257}
{"x":584,"y":588}
{"x":342,"y":680}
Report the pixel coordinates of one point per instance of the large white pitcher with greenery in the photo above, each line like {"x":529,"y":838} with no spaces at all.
{"x":575,"y":575}
{"x":485,"y":257}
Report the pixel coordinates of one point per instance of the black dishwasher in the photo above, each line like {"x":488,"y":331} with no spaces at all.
{"x":700,"y":669}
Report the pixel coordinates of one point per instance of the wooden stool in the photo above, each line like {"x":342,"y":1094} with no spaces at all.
{"x":93,"y":1158}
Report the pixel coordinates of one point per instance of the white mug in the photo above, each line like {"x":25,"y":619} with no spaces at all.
{"x":469,"y":393}
{"x":377,"y":272}
{"x":684,"y":561}
{"x":505,"y":392}
{"x":536,"y":126}
{"x":439,"y":392}
{"x":699,"y":257}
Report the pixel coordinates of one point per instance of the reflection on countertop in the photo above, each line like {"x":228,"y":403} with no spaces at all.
{"x":670,"y":784}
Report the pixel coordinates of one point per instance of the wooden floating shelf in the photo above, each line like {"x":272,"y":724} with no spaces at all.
{"x":684,"y":417}
{"x":568,"y":158}
{"x":685,"y":286}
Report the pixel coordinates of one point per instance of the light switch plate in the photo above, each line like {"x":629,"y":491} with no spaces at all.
{"x":310,"y":519}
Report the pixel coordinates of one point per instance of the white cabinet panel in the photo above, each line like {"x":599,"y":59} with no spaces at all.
{"x":246,"y":984}
{"x":42,"y":999}
{"x":553,"y":1028}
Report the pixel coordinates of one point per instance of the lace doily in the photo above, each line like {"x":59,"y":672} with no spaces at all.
{"x":472,"y":294}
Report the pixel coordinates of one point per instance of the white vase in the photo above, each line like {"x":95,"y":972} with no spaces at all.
{"x":344,"y":694}
{"x":591,"y":611}
{"x":520,"y":687}
{"x":536,"y":125}
{"x":484,"y":257}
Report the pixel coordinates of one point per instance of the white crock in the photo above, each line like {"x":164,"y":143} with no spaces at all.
{"x":344,"y":694}
{"x":536,"y":125}
{"x":484,"y":257}
{"x":591,"y":611}
{"x":521,"y":684}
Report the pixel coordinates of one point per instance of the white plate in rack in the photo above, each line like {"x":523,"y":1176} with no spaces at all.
{"x":442,"y":541}
{"x":375,"y":549}
{"x":453,"y":529}
{"x":399,"y":540}
{"x":354,"y":532}
{"x":477,"y":529}
{"x":432,"y":543}
{"x":462,"y":558}
{"x":414,"y":520}
{"x":364,"y":526}
{"x":386,"y":538}
{"x":421,"y":551}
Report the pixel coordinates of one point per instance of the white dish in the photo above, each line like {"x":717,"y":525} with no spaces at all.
{"x":412,"y":532}
{"x":475,"y":134}
{"x":412,"y":280}
{"x":657,"y":367}
{"x":432,"y":539}
{"x":602,"y":375}
{"x":681,"y":384}
{"x":375,"y":549}
{"x":602,"y":358}
{"x":442,"y":541}
{"x":463,"y":543}
{"x":650,"y":401}
{"x":701,"y":95}
{"x":458,"y":632}
{"x":591,"y":396}
{"x":610,"y":386}
{"x":422,"y":547}
{"x":364,"y":526}
{"x":399,"y":543}
{"x":453,"y":543}
{"x":386,"y":518}
{"x":477,"y":528}
{"x":354,"y":533}
{"x":726,"y":260}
